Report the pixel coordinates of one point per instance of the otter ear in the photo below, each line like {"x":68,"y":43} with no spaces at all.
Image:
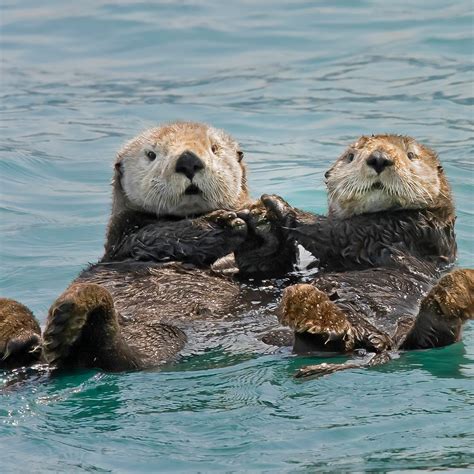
{"x":240,"y":155}
{"x":440,"y":169}
{"x":118,"y":173}
{"x":118,"y":169}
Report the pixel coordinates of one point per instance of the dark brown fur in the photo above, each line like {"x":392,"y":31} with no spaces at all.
{"x":20,"y":335}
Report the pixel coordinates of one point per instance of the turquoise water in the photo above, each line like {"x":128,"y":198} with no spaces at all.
{"x":294,"y":82}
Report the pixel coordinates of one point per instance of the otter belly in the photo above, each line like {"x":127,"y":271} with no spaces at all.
{"x":170,"y":293}
{"x":385,"y":298}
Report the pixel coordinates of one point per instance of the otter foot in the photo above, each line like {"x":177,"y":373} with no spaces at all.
{"x":19,"y":335}
{"x":443,"y":311}
{"x":319,"y":324}
{"x":318,"y":370}
{"x":68,"y":316}
{"x":82,"y":330}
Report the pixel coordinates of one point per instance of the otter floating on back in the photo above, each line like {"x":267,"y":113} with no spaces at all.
{"x":386,"y":241}
{"x":175,"y":192}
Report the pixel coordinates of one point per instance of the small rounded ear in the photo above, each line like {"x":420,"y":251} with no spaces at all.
{"x":240,"y":155}
{"x":327,"y":174}
{"x":440,"y":169}
{"x":118,"y":168}
{"x":117,"y":177}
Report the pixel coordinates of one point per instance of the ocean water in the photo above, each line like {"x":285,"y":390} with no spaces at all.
{"x":294,"y":82}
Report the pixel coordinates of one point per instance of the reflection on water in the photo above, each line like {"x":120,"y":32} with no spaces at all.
{"x":294,"y":82}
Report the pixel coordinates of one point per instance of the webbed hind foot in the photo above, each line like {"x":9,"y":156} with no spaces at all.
{"x":319,"y":324}
{"x":20,"y":335}
{"x":443,"y":311}
{"x":82,"y":331}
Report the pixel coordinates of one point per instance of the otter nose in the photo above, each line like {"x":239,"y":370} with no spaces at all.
{"x":378,"y":161}
{"x":189,"y":164}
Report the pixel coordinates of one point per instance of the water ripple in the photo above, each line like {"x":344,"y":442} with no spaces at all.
{"x":294,"y":83}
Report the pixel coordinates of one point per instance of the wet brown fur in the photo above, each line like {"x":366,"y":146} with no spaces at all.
{"x":20,"y":335}
{"x":131,"y":310}
{"x":381,"y":252}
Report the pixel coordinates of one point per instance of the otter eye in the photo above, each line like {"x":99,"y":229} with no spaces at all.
{"x":151,"y":155}
{"x":240,"y":156}
{"x":350,"y":157}
{"x":411,"y":155}
{"x":214,"y":148}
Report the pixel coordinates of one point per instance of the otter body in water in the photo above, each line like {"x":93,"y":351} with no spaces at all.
{"x":382,"y":252}
{"x":175,"y":192}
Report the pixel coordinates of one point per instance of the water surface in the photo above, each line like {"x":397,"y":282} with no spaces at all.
{"x":294,"y":82}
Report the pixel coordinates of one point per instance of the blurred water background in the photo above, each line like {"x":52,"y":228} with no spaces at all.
{"x":294,"y":82}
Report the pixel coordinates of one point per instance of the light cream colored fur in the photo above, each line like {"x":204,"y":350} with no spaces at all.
{"x":155,"y":186}
{"x":407,"y":184}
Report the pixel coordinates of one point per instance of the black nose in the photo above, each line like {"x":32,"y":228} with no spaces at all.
{"x":189,"y":164}
{"x":379,"y":161}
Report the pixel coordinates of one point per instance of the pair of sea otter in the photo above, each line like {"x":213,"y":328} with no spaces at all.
{"x":181,"y":207}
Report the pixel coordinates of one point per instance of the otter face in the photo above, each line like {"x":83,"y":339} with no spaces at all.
{"x":384,"y":172}
{"x":182,"y":169}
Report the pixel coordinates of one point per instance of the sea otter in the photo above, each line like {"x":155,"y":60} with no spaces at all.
{"x":384,"y":254}
{"x":176,"y":190}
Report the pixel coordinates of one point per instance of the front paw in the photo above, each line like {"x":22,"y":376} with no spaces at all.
{"x":261,"y":231}
{"x":270,"y":219}
{"x":228,"y":221}
{"x":267,"y":250}
{"x":278,"y":211}
{"x":224,"y":233}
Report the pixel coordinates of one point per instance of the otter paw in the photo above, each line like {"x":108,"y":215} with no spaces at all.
{"x":443,"y":312}
{"x":19,"y":335}
{"x":310,"y":312}
{"x":24,"y":345}
{"x":278,"y":210}
{"x":454,"y":295}
{"x":259,"y":225}
{"x":63,"y":329}
{"x":266,"y":217}
{"x":80,"y":306}
{"x":227,"y":220}
{"x":267,"y":250}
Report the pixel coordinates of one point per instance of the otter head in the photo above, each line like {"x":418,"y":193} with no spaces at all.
{"x":386,"y":172}
{"x":180,"y":169}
